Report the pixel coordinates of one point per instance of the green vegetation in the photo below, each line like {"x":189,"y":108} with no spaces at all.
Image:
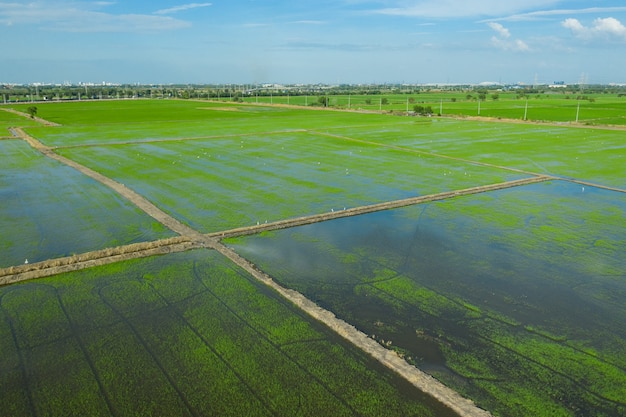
{"x":49,"y":210}
{"x":525,"y":316}
{"x":512,"y":297}
{"x":183,"y":334}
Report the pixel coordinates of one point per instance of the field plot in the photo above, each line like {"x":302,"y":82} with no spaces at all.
{"x":594,"y":155}
{"x":8,"y":120}
{"x":49,"y":210}
{"x":183,"y":334}
{"x":593,"y":109}
{"x":144,"y":120}
{"x":230,"y":182}
{"x":512,"y":297}
{"x":514,"y":305}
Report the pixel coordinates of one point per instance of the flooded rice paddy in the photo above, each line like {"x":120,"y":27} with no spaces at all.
{"x":185,"y":334}
{"x":512,"y":297}
{"x":518,"y":307}
{"x":49,"y":210}
{"x":230,"y":182}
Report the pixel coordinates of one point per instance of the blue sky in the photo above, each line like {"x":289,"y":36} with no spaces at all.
{"x":297,"y":41}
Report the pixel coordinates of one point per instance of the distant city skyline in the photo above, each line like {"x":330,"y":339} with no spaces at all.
{"x":297,"y":41}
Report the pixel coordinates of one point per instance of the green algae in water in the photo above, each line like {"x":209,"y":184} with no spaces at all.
{"x":504,"y":296}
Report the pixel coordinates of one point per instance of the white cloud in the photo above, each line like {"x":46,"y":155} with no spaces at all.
{"x":182,"y":8}
{"x":574,"y":25}
{"x":503,"y":41}
{"x":74,"y":16}
{"x":516,"y":45}
{"x":502,"y":31}
{"x":601,"y":29}
{"x":540,"y":14}
{"x":462,"y":8}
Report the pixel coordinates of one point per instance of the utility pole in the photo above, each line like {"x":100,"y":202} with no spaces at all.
{"x":526,"y":110}
{"x":577,"y":111}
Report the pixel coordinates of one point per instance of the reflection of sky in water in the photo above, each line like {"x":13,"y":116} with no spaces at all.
{"x":530,"y":253}
{"x":49,"y":210}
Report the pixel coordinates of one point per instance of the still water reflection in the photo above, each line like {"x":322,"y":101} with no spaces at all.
{"x":496,"y":294}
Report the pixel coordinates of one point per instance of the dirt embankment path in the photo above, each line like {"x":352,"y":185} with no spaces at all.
{"x":37,"y":119}
{"x":581,"y":125}
{"x":421,"y":380}
{"x":14,"y":274}
{"x":354,"y":211}
{"x":141,"y":202}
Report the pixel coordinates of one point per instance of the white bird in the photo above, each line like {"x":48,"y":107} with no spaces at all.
{"x":26,"y":261}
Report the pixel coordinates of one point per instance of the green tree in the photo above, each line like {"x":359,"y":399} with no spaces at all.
{"x":421,"y":110}
{"x":32,"y":110}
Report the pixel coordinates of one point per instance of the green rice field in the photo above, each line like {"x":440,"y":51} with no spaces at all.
{"x":517,"y":307}
{"x":513,"y":297}
{"x":550,"y":106}
{"x":50,"y":210}
{"x":185,"y":334}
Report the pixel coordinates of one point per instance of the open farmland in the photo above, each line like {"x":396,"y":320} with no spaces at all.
{"x":484,"y":288}
{"x":553,"y":106}
{"x":184,"y":334}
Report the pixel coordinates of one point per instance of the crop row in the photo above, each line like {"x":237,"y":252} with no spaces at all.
{"x":185,"y":333}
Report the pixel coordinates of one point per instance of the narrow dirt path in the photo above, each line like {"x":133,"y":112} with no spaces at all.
{"x":421,"y":380}
{"x":141,"y":202}
{"x":26,"y":115}
{"x":354,"y":211}
{"x":14,"y":274}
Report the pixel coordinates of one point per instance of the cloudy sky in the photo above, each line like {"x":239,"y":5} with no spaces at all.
{"x":306,"y":41}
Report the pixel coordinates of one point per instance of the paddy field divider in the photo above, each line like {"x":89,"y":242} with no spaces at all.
{"x":355,"y":211}
{"x":191,"y":239}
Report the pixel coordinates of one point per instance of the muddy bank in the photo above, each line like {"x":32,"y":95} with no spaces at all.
{"x":389,"y":358}
{"x":354,"y":211}
{"x":51,"y":267}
